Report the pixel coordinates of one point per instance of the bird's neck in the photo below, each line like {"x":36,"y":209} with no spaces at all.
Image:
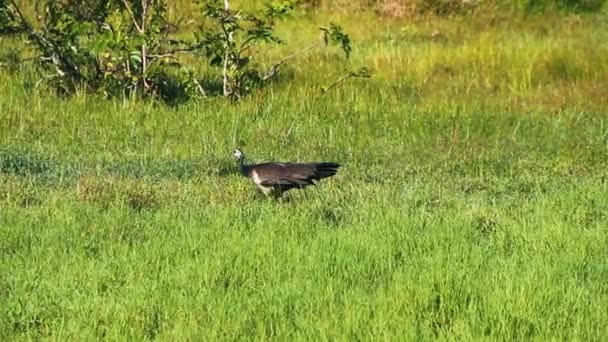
{"x":243,"y":168}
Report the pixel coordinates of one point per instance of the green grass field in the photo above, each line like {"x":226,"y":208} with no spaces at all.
{"x":473,"y":201}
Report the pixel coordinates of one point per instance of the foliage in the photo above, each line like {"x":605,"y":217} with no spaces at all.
{"x":230,"y":44}
{"x":122,"y":47}
{"x":8,"y":22}
{"x":102,"y":45}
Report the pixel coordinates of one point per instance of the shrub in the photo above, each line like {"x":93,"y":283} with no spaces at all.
{"x":124,"y":47}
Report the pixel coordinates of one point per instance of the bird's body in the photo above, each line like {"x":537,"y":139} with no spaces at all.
{"x":274,"y":178}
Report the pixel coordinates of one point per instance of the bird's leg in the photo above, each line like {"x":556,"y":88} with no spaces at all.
{"x":278,"y":195}
{"x":305,"y":193}
{"x":282,"y":199}
{"x":263,"y":193}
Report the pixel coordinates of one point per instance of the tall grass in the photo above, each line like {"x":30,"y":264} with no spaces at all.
{"x":471,"y":205}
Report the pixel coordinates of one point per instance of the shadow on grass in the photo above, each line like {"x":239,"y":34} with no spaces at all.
{"x":23,"y":163}
{"x":32,"y":165}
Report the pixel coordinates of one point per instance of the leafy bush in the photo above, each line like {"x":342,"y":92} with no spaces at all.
{"x":124,"y":47}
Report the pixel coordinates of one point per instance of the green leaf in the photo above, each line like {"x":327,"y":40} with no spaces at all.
{"x":335,"y":35}
{"x":278,"y":10}
{"x":135,"y":57}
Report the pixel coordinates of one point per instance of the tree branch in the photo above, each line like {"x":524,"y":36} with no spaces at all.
{"x":56,"y":58}
{"x":171,"y":53}
{"x":199,"y":87}
{"x":228,"y":41}
{"x":363,"y":72}
{"x":144,"y":60}
{"x":275,"y":67}
{"x":24,"y":22}
{"x":132,"y":16}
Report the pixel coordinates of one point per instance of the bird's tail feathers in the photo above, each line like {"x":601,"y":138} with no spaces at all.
{"x":323,"y":170}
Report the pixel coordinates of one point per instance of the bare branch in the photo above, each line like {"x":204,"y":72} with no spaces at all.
{"x":159,"y":56}
{"x":144,"y":10}
{"x":28,"y":27}
{"x":141,"y":28}
{"x":228,"y":41}
{"x":57,"y":59}
{"x":199,"y":87}
{"x":24,"y":21}
{"x":45,"y":78}
{"x":132,"y":16}
{"x":363,"y":72}
{"x":275,"y":67}
{"x":172,"y":53}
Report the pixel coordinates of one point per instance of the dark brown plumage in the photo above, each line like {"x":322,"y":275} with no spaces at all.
{"x":277,"y":178}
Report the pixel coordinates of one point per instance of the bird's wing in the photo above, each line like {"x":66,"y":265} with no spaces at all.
{"x":290,"y":174}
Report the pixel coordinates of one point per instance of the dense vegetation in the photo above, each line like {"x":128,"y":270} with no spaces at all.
{"x":131,"y":48}
{"x":472,"y":203}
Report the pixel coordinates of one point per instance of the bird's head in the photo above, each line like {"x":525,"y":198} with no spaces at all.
{"x":238,"y":154}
